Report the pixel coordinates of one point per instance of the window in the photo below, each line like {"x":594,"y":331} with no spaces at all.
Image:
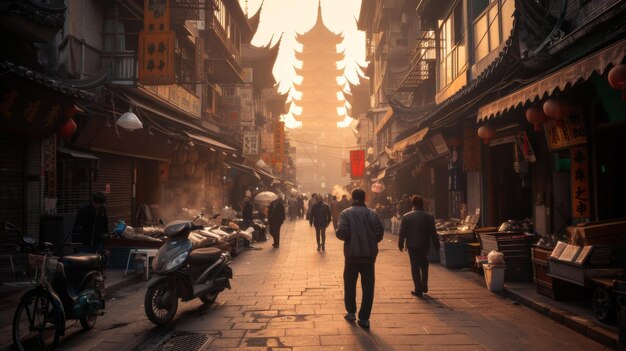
{"x":451,"y":35}
{"x":121,"y":30}
{"x":491,"y":26}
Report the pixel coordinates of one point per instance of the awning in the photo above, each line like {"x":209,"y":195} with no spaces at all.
{"x":266,"y":174}
{"x":77,"y":154}
{"x":381,"y":175}
{"x":561,"y":79}
{"x":410,"y":140}
{"x":243,"y":168}
{"x":211,"y":142}
{"x":383,"y":122}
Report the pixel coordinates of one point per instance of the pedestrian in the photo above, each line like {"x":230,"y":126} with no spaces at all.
{"x":404,"y":205}
{"x":334,"y":211}
{"x":300,"y":207}
{"x":312,"y":201}
{"x":361,"y":230}
{"x":92,"y":223}
{"x":320,"y":219}
{"x":276,"y":217}
{"x":343,"y":203}
{"x":246,"y":212}
{"x":417,"y":228}
{"x":292,"y":206}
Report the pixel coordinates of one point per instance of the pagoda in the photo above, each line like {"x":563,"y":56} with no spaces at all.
{"x":321,"y":144}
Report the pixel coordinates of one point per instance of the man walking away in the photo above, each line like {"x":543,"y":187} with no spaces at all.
{"x":92,"y":223}
{"x":335,"y":210}
{"x":312,"y":201}
{"x":320,"y":219}
{"x":275,"y":218}
{"x":300,"y":206}
{"x":343,"y":203}
{"x":417,"y":228}
{"x":246,"y":212}
{"x":292,"y":205}
{"x":361,"y":230}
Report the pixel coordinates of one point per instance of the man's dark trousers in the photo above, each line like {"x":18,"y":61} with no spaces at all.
{"x":350,"y":275}
{"x":320,"y":235}
{"x":275,"y":233}
{"x":419,"y":269}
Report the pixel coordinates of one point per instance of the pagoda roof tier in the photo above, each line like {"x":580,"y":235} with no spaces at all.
{"x":319,"y":31}
{"x":321,"y":72}
{"x":262,"y":60}
{"x":254,"y":21}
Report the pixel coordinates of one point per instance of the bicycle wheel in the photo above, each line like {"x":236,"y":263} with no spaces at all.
{"x":38,"y":322}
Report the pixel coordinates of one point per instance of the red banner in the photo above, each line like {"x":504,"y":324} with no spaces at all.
{"x":357,"y":163}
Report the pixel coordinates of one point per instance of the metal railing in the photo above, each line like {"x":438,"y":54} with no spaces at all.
{"x":123,"y":66}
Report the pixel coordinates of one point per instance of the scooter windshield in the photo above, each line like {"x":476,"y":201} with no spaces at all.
{"x":175,"y":227}
{"x":169,"y":251}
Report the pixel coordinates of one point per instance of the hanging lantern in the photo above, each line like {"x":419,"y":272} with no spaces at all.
{"x":556,"y":107}
{"x":68,"y":128}
{"x":536,"y":117}
{"x":617,"y":77}
{"x":129,"y":120}
{"x":486,"y":133}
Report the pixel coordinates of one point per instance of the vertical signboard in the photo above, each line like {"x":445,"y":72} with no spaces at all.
{"x":357,"y":164}
{"x":279,"y":143}
{"x":156,"y":44}
{"x":250,"y":142}
{"x":581,"y":196}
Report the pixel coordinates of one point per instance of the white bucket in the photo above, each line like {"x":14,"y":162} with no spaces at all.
{"x":494,"y":276}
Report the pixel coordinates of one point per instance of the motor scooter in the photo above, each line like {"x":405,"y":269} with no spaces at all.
{"x":184,"y":270}
{"x":65,"y":287}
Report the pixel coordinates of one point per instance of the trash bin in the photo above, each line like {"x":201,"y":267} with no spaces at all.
{"x":494,"y":276}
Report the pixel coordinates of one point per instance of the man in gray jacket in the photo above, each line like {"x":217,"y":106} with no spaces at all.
{"x":417,"y":228}
{"x":361,"y":230}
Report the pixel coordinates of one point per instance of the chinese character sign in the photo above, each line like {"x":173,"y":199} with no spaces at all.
{"x":156,"y":16}
{"x":279,"y":142}
{"x":581,"y":197}
{"x":565,"y":132}
{"x":250,"y":142}
{"x":357,"y":163}
{"x":156,"y":57}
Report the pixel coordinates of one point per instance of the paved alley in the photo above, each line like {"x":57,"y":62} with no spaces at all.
{"x":291,"y":298}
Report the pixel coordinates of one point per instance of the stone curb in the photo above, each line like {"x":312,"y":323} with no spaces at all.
{"x":582,"y":325}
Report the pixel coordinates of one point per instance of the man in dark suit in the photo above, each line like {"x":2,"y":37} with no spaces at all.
{"x":275,"y":218}
{"x":417,"y":228}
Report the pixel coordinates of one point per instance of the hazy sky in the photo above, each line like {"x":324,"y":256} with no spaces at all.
{"x":288,"y":17}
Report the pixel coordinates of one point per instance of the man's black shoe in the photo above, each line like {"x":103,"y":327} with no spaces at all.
{"x":363,"y":323}
{"x":424,"y":289}
{"x":417,"y":294}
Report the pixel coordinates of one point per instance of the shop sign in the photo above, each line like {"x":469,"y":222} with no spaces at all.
{"x":199,"y":59}
{"x":156,"y":57}
{"x":471,"y":145}
{"x":250,"y":142}
{"x":432,"y":148}
{"x":581,"y":196}
{"x":562,"y":133}
{"x":279,"y":142}
{"x":177,"y":96}
{"x":524,"y":146}
{"x":246,"y":103}
{"x":357,"y":163}
{"x":156,"y":15}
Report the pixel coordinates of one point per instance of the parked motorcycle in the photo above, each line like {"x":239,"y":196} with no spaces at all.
{"x":184,"y":270}
{"x":259,"y":228}
{"x":66,"y":287}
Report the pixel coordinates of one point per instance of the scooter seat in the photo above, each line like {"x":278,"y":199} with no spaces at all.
{"x":81,"y":262}
{"x":205,"y":255}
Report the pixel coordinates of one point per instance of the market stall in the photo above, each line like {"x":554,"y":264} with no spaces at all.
{"x":454,"y":240}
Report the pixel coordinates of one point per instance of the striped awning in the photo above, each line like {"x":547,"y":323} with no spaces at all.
{"x":561,"y":79}
{"x":410,"y":140}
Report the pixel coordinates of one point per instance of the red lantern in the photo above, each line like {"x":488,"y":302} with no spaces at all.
{"x":557,"y":107}
{"x":536,"y":117}
{"x":486,"y":133}
{"x":68,"y":128}
{"x":617,"y":77}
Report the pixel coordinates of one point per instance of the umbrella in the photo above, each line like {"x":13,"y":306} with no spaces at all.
{"x":265,"y":197}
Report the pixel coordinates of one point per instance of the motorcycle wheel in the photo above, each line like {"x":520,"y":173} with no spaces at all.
{"x":209,"y":299}
{"x":158,"y":311}
{"x":38,"y":322}
{"x":88,"y":322}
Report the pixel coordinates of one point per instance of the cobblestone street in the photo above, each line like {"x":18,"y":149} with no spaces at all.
{"x":292,"y":298}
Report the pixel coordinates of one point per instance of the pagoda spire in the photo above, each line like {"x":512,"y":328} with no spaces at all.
{"x":319,"y":12}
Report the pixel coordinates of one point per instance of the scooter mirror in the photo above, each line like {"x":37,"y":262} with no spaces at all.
{"x":29,"y":240}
